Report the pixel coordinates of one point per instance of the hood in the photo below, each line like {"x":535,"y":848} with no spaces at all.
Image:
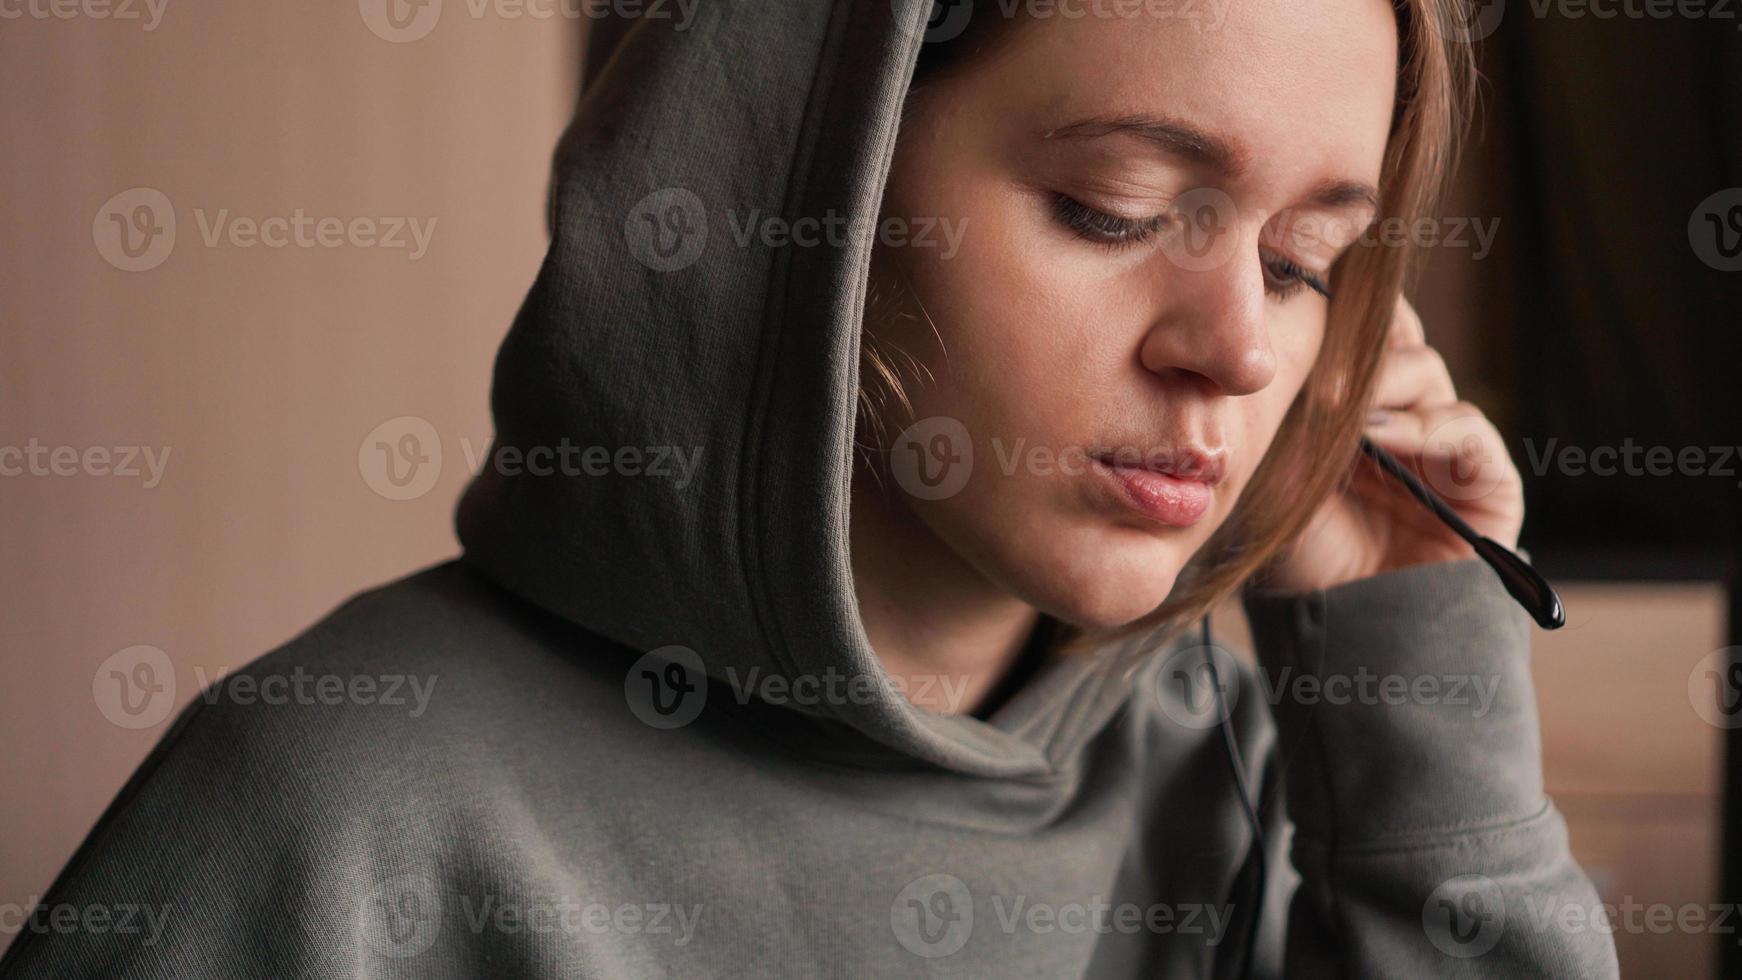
{"x":674,"y":404}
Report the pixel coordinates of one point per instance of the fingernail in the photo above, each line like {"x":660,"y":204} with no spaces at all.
{"x":1378,"y":416}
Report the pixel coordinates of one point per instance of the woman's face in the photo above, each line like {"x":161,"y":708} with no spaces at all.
{"x":1146,"y":207}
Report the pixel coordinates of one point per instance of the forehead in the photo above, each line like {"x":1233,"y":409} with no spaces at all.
{"x":1305,"y":88}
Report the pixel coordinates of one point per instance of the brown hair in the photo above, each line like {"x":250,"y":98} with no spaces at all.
{"x":1316,"y":446}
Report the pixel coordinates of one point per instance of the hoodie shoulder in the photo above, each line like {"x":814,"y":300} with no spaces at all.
{"x":419,"y":682}
{"x":390,"y":737}
{"x":433,"y":658}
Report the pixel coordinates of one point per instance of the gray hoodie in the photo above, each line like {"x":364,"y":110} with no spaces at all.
{"x":637,"y":730}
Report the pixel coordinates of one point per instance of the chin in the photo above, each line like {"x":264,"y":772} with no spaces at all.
{"x":1116,"y":581}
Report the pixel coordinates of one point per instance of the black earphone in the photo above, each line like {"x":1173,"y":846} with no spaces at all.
{"x":1523,"y":582}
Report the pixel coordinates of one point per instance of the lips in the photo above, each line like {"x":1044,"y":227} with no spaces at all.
{"x":1174,"y":488}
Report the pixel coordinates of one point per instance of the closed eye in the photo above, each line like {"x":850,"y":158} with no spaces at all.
{"x":1098,"y":226}
{"x":1283,"y":277}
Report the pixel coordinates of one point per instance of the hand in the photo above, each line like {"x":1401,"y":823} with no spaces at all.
{"x":1374,"y":525}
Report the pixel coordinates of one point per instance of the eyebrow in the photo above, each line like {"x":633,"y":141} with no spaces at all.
{"x":1220,"y":156}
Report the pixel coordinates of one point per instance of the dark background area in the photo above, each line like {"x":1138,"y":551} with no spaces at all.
{"x":1597,"y":319}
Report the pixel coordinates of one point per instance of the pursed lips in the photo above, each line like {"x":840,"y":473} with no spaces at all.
{"x":1189,"y":463}
{"x":1172,"y":487}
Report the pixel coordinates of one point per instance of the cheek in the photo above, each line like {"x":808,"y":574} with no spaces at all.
{"x":1008,"y":330}
{"x":1296,"y":340}
{"x":1030,"y":302}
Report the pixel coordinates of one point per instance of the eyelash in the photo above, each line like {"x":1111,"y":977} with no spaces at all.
{"x":1283,"y":277}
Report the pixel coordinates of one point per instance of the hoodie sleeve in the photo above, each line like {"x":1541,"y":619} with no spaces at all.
{"x":1410,"y":759}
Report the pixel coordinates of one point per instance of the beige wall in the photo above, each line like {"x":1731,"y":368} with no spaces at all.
{"x":258,"y":370}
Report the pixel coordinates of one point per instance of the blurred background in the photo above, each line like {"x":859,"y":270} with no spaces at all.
{"x":255,"y":260}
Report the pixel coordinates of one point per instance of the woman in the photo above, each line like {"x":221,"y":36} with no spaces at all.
{"x":1000,"y":346}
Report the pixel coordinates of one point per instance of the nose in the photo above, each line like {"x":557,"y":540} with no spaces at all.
{"x":1210,"y":324}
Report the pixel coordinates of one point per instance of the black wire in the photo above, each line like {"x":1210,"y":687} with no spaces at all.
{"x":1258,"y":858}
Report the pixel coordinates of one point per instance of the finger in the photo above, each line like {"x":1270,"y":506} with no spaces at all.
{"x":1427,"y":430}
{"x":1453,"y":447}
{"x":1407,"y":329}
{"x":1414,"y":377}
